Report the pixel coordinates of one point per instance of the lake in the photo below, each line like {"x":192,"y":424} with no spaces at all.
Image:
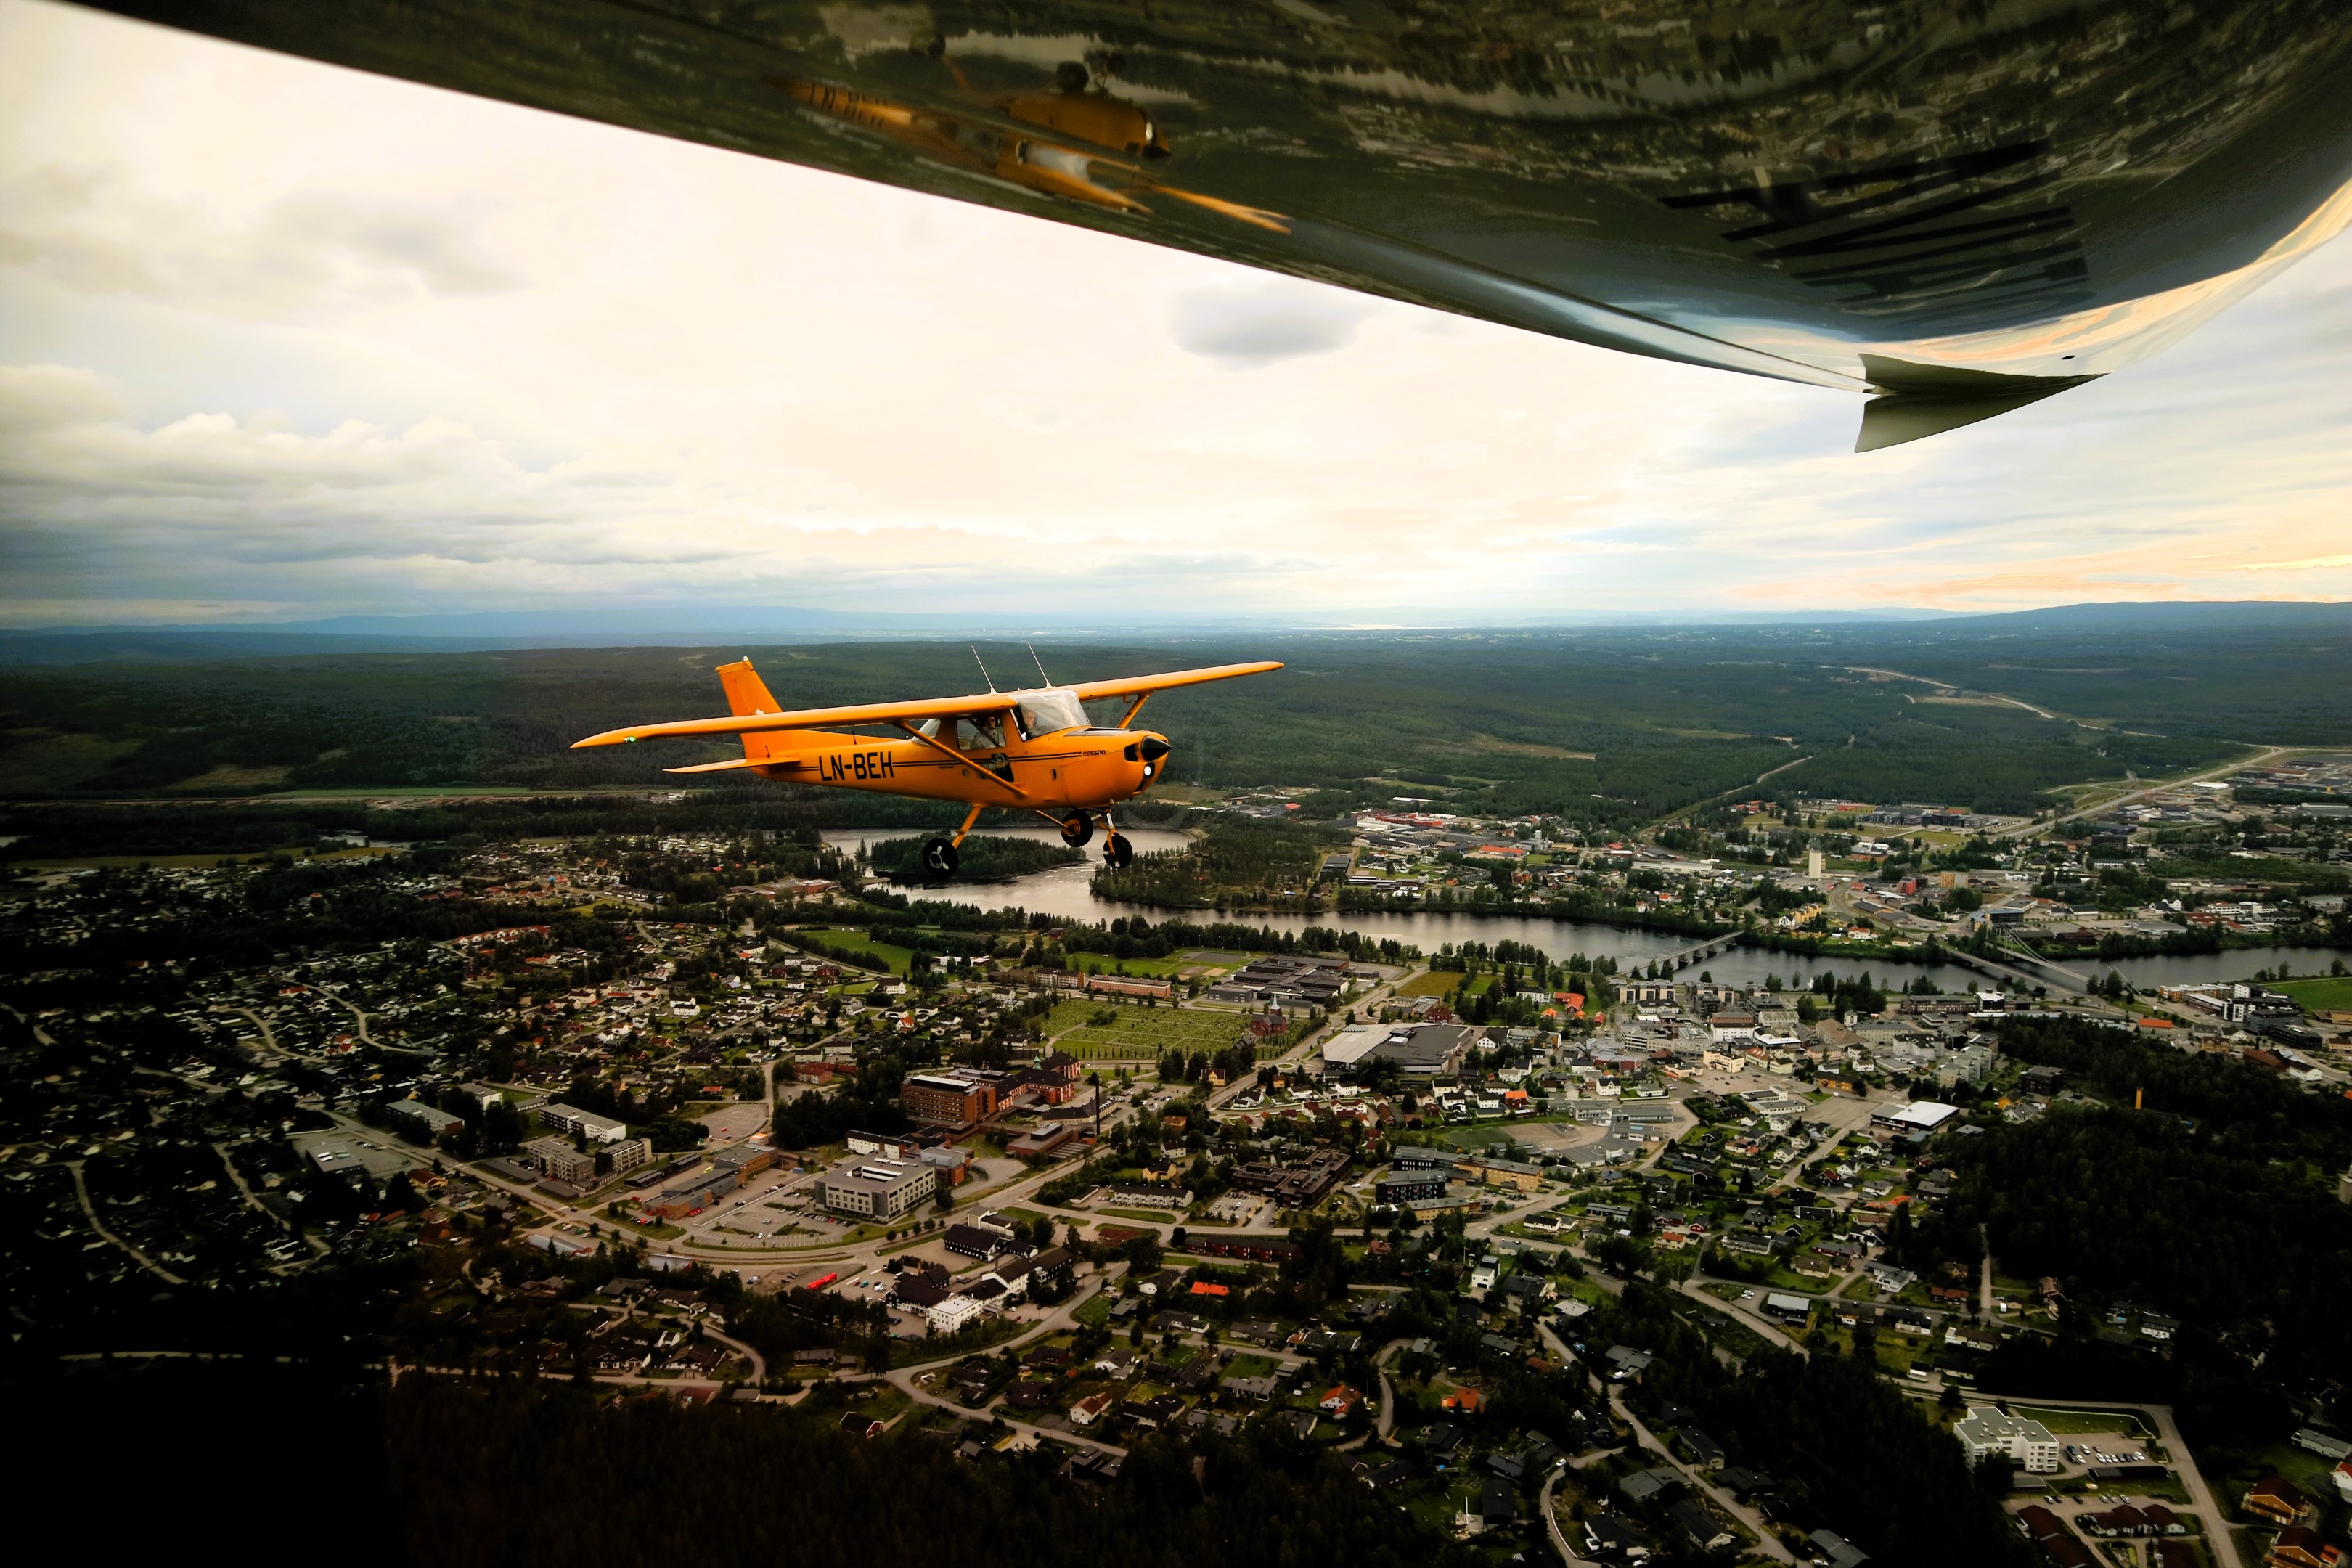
{"x":1067,"y":891}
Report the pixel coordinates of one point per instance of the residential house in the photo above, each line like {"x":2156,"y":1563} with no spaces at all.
{"x":1840,"y":1552}
{"x":2299,"y":1546}
{"x":1702,"y":1526}
{"x":2277,"y":1500}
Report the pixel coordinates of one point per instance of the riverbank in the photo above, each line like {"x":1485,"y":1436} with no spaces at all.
{"x":1067,"y":893}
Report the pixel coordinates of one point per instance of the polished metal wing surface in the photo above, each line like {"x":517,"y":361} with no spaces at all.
{"x":1962,"y":206}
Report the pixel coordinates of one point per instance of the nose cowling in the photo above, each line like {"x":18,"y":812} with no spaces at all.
{"x":1151,"y":751}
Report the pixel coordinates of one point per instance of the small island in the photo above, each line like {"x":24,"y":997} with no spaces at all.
{"x":986,"y":857}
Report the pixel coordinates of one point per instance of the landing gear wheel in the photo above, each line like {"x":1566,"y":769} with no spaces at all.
{"x":1077,"y":828}
{"x":1118,"y":852}
{"x":939,"y":858}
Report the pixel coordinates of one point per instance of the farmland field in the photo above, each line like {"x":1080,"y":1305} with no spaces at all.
{"x":2319,"y":995}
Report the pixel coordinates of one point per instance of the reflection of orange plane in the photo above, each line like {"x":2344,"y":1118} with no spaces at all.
{"x":1069,"y":172}
{"x":1024,"y":750}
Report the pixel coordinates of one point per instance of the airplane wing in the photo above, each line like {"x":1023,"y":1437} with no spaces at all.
{"x":813,"y":718}
{"x":1138,"y":685}
{"x":1786,"y":191}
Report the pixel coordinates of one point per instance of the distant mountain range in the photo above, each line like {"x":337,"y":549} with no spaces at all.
{"x":478,"y":631}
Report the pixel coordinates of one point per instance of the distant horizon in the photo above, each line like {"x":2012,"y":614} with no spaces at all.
{"x":523,"y":630}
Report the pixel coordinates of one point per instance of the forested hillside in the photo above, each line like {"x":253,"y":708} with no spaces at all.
{"x":2214,"y":1204}
{"x":1613,"y":728}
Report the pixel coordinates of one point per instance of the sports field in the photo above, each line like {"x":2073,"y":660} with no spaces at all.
{"x":1105,"y":1031}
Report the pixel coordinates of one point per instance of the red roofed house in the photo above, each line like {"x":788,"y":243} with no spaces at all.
{"x":1338,"y":1401}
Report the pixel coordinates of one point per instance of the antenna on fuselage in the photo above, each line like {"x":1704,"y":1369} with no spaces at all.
{"x":1038,"y":662}
{"x":984,"y":671}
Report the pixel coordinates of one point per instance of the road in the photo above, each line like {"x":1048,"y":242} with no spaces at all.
{"x":1386,"y":1424}
{"x":253,"y":1199}
{"x":81,"y":1191}
{"x":1673,"y":818}
{"x":2268,"y":756}
{"x":1552,"y":1523}
{"x":910,"y":1379}
{"x":1771,"y":1544}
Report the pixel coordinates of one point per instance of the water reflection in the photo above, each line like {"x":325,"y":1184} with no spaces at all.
{"x":1067,"y":892}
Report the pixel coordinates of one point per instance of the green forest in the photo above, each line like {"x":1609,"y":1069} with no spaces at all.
{"x":1234,"y":860}
{"x":506,"y":1471}
{"x":1847,"y":1450}
{"x":1613,"y":728}
{"x":2213,"y":1202}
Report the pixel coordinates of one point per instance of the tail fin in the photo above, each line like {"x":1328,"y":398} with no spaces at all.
{"x":746,"y":692}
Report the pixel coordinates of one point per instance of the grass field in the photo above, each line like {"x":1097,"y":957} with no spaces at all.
{"x":1148,"y":968}
{"x":1436,"y":983}
{"x":2319,"y":995}
{"x":857,"y":942}
{"x":1137,"y":1034}
{"x":2066,"y":1422}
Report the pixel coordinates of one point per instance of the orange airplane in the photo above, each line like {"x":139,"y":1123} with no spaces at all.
{"x":1021,"y":750}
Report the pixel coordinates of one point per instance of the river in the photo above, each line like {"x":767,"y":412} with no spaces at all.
{"x":1068,"y":891}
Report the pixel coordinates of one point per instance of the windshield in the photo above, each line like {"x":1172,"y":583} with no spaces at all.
{"x":1044,"y":712}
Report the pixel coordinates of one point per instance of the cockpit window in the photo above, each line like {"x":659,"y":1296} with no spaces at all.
{"x":983,"y":732}
{"x":1044,"y":712}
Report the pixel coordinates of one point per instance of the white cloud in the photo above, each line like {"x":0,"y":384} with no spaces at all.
{"x":96,"y":230}
{"x":435,"y":352}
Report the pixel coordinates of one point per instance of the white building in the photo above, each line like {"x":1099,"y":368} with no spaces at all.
{"x":1985,"y":1430}
{"x":432,"y":1118}
{"x":876,"y":1189}
{"x":1916,"y":1119}
{"x":955,"y":1312}
{"x":587,"y":1124}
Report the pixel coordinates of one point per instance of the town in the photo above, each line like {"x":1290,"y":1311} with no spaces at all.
{"x":731,"y":1117}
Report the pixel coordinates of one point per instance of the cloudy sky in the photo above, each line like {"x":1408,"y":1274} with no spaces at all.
{"x":282,"y":342}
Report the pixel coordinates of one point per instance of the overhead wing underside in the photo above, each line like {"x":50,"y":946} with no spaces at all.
{"x":1902,"y":201}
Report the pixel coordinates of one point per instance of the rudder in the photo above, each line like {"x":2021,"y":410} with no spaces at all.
{"x":746,"y":692}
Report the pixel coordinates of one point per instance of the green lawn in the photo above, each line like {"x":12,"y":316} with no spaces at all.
{"x":859,"y":944}
{"x":2319,"y":995}
{"x":1138,"y":1034}
{"x":1146,"y":968}
{"x":2068,"y":1421}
